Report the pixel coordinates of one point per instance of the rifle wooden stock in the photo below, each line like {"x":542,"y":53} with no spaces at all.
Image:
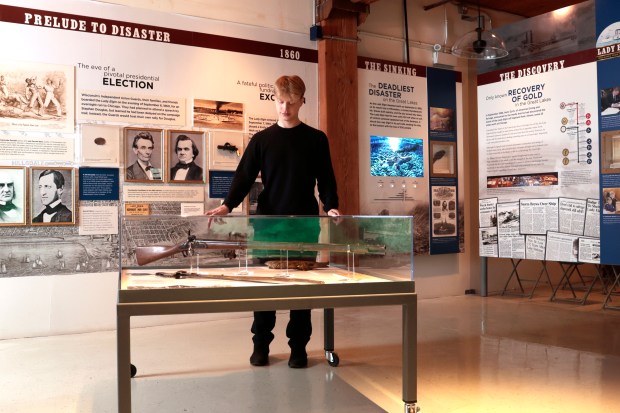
{"x":146,"y":255}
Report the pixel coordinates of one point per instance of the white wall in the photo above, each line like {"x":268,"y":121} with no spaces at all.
{"x":382,"y":36}
{"x":35,"y":306}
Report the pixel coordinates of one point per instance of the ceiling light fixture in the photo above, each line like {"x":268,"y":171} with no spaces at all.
{"x":480,"y":44}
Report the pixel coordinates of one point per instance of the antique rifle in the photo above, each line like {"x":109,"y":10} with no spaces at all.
{"x":146,"y":255}
{"x":241,"y":277}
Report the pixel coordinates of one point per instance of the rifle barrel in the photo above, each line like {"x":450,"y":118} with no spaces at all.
{"x":289,"y":246}
{"x":146,"y":255}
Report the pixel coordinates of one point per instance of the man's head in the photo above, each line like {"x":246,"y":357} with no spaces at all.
{"x":7,"y":188}
{"x":615,"y":91}
{"x":51,"y":186}
{"x":289,"y":94}
{"x":185,"y":149}
{"x":143,"y":145}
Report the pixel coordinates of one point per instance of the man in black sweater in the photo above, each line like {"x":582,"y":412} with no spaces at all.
{"x":292,"y":159}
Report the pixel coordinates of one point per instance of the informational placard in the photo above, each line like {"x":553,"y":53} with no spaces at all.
{"x":572,"y":215}
{"x":510,"y":241}
{"x":393,"y":130}
{"x":98,"y":220}
{"x":562,"y":247}
{"x":590,"y":250}
{"x":537,"y":216}
{"x":535,"y":247}
{"x":538,"y":123}
{"x":488,"y":242}
{"x":593,"y":217}
{"x":36,"y":150}
{"x":99,"y":184}
{"x":219,"y":183}
{"x":487,"y":210}
{"x":401,"y":107}
{"x":157,"y":193}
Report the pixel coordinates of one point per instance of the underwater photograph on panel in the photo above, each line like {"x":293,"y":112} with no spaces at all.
{"x":400,"y":157}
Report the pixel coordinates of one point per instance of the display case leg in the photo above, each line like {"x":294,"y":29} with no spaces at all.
{"x":328,"y":323}
{"x":410,"y":354}
{"x":124,"y":370}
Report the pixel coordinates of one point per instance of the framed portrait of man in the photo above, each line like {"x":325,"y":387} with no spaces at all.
{"x":144,"y":155}
{"x":185,"y":156}
{"x":52,"y":196}
{"x":13,"y":195}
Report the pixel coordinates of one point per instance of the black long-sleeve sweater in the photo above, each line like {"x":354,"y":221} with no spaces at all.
{"x":291,"y":162}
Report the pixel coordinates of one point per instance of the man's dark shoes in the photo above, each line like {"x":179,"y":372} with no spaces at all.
{"x":260,"y":357}
{"x":298,"y":359}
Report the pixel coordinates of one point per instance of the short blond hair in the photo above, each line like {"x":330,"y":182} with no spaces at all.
{"x":290,"y":85}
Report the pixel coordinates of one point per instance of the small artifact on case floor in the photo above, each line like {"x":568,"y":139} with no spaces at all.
{"x":295,"y":265}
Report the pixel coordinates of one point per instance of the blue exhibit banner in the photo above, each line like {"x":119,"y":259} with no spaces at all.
{"x":444,"y":212}
{"x":99,"y":184}
{"x":608,"y":67}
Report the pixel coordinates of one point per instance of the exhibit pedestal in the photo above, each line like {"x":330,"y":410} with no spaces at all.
{"x":361,"y":271}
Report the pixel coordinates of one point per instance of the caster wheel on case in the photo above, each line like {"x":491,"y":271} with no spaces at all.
{"x":134,"y":370}
{"x":332,"y":358}
{"x":411,"y":408}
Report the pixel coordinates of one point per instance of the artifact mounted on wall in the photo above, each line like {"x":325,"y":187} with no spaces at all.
{"x":230,"y":148}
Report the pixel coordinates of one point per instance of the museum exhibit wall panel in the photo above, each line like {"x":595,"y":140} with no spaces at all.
{"x":409,"y":161}
{"x":538,"y":117}
{"x":182,"y":75}
{"x":78,"y":110}
{"x":608,"y":51}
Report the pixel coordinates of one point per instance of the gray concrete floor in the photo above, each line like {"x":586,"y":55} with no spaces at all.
{"x":495,"y":354}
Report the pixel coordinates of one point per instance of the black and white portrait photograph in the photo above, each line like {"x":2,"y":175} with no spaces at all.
{"x":144,"y":154}
{"x":52,"y":196}
{"x":186,"y":154}
{"x":13,"y":195}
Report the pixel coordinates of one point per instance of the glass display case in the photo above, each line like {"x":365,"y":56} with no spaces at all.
{"x":201,"y":264}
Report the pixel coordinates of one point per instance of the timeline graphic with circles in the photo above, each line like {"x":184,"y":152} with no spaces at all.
{"x":577,"y":124}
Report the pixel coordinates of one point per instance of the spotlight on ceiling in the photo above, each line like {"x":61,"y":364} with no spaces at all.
{"x":480,"y":44}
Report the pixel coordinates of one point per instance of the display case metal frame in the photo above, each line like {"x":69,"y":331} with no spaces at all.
{"x":260,"y":298}
{"x":384,"y":291}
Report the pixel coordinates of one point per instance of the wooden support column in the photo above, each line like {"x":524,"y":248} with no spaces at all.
{"x":338,"y":102}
